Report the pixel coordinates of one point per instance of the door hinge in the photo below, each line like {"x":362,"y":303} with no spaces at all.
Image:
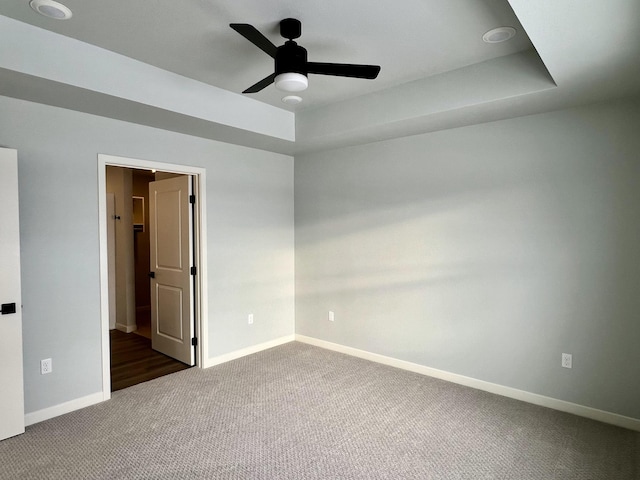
{"x":194,"y":341}
{"x":192,"y":199}
{"x":194,"y":270}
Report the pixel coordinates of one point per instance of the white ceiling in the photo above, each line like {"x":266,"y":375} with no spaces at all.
{"x":410,"y":39}
{"x":436,"y":72}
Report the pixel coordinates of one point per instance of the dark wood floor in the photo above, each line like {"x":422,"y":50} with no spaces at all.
{"x":133,"y":361}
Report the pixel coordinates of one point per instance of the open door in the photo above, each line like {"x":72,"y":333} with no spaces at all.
{"x":171,"y":241}
{"x":12,"y":390}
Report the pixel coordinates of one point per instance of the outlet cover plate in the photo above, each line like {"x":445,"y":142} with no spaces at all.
{"x":567,"y":360}
{"x":46,"y":366}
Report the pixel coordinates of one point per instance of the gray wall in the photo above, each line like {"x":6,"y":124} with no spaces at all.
{"x":485,"y":251}
{"x":119,"y":181}
{"x":250,"y":239}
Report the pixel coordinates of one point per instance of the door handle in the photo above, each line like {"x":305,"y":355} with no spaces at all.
{"x":152,"y":274}
{"x":8,"y":308}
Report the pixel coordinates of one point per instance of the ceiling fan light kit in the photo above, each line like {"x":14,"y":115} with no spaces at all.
{"x":290,"y":60}
{"x":291,"y":82}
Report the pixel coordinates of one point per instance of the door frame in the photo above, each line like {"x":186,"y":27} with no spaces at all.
{"x":200,"y":236}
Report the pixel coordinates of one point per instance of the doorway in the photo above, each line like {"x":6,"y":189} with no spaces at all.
{"x":128,"y":356}
{"x":143,"y":223}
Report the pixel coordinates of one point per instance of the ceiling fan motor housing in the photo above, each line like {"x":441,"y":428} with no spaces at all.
{"x":291,"y":58}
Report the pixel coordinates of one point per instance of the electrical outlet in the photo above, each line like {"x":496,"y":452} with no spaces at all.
{"x":567,"y":360}
{"x":250,"y":319}
{"x":46,"y":366}
{"x":332,"y":317}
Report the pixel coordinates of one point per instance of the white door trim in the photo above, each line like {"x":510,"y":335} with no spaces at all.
{"x":201,"y":328}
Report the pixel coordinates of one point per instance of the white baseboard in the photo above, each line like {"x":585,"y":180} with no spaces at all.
{"x":541,"y":400}
{"x":227,"y":357}
{"x":561,"y":405}
{"x":126,"y":328}
{"x":62,"y":408}
{"x":77,"y":404}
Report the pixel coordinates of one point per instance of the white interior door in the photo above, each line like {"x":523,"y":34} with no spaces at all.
{"x":171,"y":253}
{"x":11,"y":380}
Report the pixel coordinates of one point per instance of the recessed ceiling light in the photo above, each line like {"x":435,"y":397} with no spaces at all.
{"x":51,"y":9}
{"x":500,"y":34}
{"x":292,"y":99}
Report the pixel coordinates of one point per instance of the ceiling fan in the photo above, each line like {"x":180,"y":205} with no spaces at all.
{"x":291,"y":65}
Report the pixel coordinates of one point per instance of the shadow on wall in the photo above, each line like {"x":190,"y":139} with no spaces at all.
{"x":486,"y":256}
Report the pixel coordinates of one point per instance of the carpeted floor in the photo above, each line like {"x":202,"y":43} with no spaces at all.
{"x":300,"y":412}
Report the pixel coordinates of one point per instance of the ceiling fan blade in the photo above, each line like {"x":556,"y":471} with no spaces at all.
{"x":264,"y":83}
{"x":252,"y":34}
{"x":344,"y":70}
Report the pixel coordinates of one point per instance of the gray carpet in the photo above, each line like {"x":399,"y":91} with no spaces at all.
{"x":300,"y":412}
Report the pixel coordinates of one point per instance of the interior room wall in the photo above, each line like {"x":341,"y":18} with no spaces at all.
{"x":485,"y":251}
{"x":250,"y":239}
{"x":165,"y":175}
{"x":141,"y":248}
{"x":119,"y":182}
